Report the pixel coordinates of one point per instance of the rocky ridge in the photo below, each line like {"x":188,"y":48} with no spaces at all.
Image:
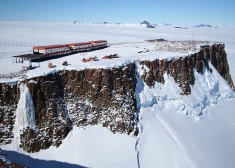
{"x":97,"y":96}
{"x":181,"y":69}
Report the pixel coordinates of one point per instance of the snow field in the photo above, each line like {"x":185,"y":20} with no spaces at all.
{"x":170,"y":139}
{"x":92,"y":146}
{"x":173,"y":140}
{"x":61,"y":33}
{"x":175,"y":130}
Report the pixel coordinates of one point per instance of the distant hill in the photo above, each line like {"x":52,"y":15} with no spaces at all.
{"x":165,"y":24}
{"x":205,"y":25}
{"x":148,"y":25}
{"x":145,"y":23}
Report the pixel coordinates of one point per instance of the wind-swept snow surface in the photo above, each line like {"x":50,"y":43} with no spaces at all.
{"x":19,"y":38}
{"x":93,"y":146}
{"x":171,"y":139}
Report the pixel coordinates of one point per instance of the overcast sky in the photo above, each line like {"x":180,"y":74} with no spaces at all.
{"x":126,"y":11}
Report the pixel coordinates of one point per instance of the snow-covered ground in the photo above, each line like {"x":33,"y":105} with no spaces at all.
{"x":127,"y":53}
{"x":171,"y":139}
{"x":18,"y":38}
{"x":176,"y":131}
{"x":92,"y":146}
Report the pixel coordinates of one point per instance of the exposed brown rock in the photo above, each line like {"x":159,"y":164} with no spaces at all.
{"x":181,"y":69}
{"x":87,"y":97}
{"x":102,"y":96}
{"x":9,"y":97}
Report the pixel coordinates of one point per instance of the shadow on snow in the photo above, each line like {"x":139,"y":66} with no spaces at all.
{"x":37,"y":163}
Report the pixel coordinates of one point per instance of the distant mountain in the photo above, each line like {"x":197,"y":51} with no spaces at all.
{"x":145,"y":23}
{"x":205,"y":25}
{"x":165,"y":24}
{"x":222,"y":25}
{"x":76,"y":22}
{"x":148,"y":25}
{"x":155,"y":25}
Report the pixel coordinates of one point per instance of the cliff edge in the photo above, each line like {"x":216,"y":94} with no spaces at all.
{"x":47,"y":107}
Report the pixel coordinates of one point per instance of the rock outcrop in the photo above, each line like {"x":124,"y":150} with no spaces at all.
{"x":145,"y":23}
{"x":9,"y":97}
{"x":96,"y":96}
{"x":67,"y":98}
{"x":148,"y":25}
{"x":181,"y":69}
{"x":5,"y":163}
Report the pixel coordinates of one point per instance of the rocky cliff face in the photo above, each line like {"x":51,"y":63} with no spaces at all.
{"x":96,"y":96}
{"x":181,"y":69}
{"x":9,"y":97}
{"x":67,"y":98}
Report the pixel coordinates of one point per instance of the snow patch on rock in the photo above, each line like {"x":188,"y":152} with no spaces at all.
{"x":208,"y":89}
